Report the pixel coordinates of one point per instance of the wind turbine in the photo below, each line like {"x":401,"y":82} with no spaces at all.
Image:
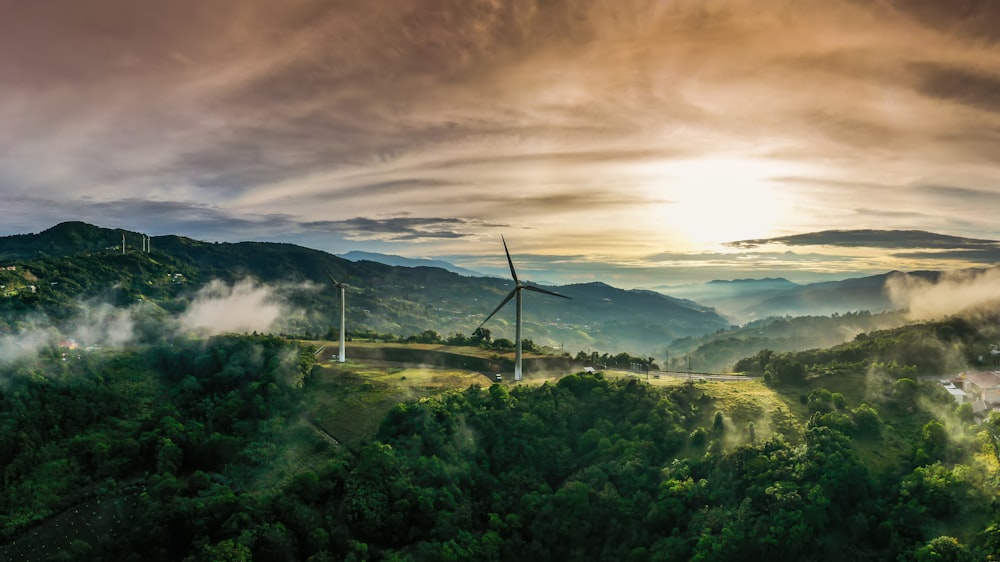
{"x":516,"y":292}
{"x":343,"y":290}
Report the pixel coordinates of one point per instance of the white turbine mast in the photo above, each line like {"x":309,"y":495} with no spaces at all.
{"x":516,"y":292}
{"x":343,"y":290}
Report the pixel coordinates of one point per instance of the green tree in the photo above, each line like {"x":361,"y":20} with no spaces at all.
{"x":718,"y":423}
{"x":225,"y":551}
{"x":169,"y":457}
{"x":942,"y":549}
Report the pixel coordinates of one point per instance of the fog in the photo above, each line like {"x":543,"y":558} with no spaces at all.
{"x":27,"y":341}
{"x":243,"y":307}
{"x":961,"y":291}
{"x":216,"y":308}
{"x":102,"y":324}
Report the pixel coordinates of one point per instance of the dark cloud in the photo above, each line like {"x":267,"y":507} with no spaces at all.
{"x":960,"y":85}
{"x":500,"y":204}
{"x":871,"y":239}
{"x":155,"y":217}
{"x":403,"y":228}
{"x":975,"y":19}
{"x":907,"y":216}
{"x":966,"y":194}
{"x":985,"y":255}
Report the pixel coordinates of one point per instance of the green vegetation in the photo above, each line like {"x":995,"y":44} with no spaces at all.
{"x":247,"y":448}
{"x":931,"y":348}
{"x":719,"y":351}
{"x":241,"y":448}
{"x":61,"y":269}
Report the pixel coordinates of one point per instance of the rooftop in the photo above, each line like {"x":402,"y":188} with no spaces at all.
{"x":985,"y":379}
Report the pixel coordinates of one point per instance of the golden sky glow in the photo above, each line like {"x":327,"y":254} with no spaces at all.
{"x":620,"y":139}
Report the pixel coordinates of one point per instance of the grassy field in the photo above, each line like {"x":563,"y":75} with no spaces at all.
{"x":350,"y":400}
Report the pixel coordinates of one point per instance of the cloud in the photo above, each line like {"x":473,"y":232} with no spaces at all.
{"x":402,"y":228}
{"x":982,"y":256}
{"x":954,"y":292}
{"x":243,"y":307}
{"x":94,"y":323}
{"x":872,"y":239}
{"x":26,"y":342}
{"x":961,"y":18}
{"x":283,"y":120}
{"x":965,"y":86}
{"x":32,"y":213}
{"x":103,"y":325}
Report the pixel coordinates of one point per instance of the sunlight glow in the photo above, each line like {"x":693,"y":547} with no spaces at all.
{"x":719,"y":199}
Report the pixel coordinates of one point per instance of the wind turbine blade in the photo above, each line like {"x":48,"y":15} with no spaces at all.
{"x":510,"y":295}
{"x":335,"y":282}
{"x":511,"y":263}
{"x":546,"y":291}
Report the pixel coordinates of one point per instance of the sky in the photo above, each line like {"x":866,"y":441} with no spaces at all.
{"x":625,"y":141}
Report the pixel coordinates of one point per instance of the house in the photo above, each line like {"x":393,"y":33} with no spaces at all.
{"x":980,"y":410}
{"x":984,"y":385}
{"x":957,"y":393}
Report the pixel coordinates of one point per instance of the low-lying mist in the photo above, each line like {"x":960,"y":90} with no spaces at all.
{"x":217,"y":308}
{"x":245,"y":306}
{"x":954,"y":292}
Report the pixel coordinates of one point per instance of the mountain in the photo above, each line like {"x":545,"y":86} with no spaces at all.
{"x":732,"y":297}
{"x":748,"y":299}
{"x":65,"y":239}
{"x":829,"y":297}
{"x":391,"y":259}
{"x":73,"y":263}
{"x":719,"y":351}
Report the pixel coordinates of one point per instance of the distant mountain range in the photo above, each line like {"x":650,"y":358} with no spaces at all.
{"x":55,"y":270}
{"x":392,"y":259}
{"x":749,"y":299}
{"x":74,"y":262}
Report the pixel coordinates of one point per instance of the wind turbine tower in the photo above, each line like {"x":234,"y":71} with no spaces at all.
{"x":343,"y":290}
{"x":516,"y":292}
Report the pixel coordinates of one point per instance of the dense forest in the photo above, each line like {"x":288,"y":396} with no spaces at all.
{"x":125,"y":434}
{"x":203,"y":450}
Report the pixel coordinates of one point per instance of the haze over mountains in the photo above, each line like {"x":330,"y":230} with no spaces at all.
{"x":75,"y":262}
{"x":392,"y":259}
{"x":749,"y":299}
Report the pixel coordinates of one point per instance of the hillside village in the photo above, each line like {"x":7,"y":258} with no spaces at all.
{"x":981,"y":389}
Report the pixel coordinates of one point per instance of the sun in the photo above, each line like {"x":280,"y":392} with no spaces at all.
{"x":719,"y":199}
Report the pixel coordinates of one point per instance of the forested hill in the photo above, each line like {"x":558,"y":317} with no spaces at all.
{"x":939,"y":348}
{"x":207,"y":450}
{"x":74,"y":262}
